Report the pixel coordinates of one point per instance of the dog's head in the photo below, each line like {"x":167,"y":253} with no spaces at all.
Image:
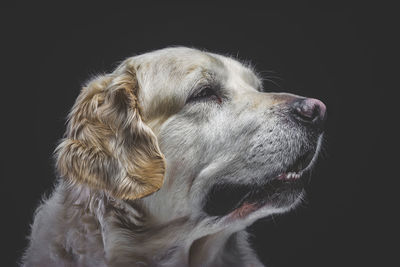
{"x":201,"y":122}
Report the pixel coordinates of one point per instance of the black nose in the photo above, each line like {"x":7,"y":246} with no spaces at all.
{"x":310,"y":111}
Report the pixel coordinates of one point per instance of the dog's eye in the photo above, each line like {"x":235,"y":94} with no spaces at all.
{"x":206,"y":93}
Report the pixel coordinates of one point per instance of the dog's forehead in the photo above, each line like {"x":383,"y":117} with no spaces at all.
{"x":179,"y":62}
{"x":240,"y":76}
{"x":175,"y":61}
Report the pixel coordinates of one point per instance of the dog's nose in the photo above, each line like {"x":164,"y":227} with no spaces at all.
{"x":310,"y":111}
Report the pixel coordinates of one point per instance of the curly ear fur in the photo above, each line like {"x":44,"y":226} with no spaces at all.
{"x":107,"y":145}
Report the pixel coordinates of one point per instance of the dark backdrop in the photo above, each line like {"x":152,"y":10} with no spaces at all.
{"x":326,"y":52}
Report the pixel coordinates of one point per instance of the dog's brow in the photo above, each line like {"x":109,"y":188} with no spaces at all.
{"x":206,"y":77}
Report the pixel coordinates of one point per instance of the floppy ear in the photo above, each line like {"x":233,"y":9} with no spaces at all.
{"x":107,"y":145}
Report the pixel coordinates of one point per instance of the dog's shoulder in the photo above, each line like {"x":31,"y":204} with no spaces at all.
{"x":63,"y":228}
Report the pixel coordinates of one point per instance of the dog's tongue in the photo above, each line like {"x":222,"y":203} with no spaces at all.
{"x":244,"y":210}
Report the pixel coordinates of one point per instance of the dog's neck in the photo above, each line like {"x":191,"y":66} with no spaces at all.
{"x":133,"y":233}
{"x":185,"y":241}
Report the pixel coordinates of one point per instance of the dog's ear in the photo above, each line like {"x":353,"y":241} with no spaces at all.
{"x":107,"y":145}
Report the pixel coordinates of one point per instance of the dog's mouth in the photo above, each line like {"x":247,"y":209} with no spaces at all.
{"x":280,"y":190}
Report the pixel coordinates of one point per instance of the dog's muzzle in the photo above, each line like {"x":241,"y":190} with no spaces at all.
{"x":282,"y":188}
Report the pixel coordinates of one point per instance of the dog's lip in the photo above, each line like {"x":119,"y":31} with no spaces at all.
{"x":298,"y":168}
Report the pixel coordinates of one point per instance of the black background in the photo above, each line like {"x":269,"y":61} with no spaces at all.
{"x":328,"y":52}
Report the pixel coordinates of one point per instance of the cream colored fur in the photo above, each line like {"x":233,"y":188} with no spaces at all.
{"x":138,"y":158}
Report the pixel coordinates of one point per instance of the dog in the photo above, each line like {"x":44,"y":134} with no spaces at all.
{"x":166,"y":161}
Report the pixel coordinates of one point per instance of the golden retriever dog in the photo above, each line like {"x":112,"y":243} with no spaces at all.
{"x":166,"y":161}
